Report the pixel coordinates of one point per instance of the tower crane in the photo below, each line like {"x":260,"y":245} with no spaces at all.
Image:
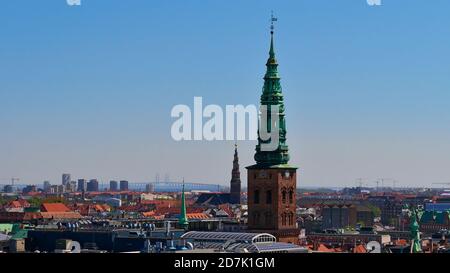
{"x":13,"y":180}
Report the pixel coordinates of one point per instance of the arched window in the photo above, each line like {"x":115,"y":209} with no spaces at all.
{"x":256,"y":197}
{"x":269,"y":197}
{"x":291,"y":196}
{"x":283,"y":196}
{"x":291,"y":219}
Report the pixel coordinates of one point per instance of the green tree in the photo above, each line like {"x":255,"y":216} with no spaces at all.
{"x":35,"y":202}
{"x":375,"y":210}
{"x":4,"y":200}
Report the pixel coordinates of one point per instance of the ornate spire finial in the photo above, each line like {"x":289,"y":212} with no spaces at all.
{"x":272,"y":19}
{"x":272,"y":27}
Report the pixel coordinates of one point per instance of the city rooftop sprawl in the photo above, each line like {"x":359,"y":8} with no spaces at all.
{"x":270,"y":214}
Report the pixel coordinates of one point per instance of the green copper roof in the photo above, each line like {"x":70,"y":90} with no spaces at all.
{"x":272,"y":96}
{"x":183,"y":221}
{"x":21,"y":234}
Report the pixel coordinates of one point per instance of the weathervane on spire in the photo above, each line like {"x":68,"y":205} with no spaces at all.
{"x":272,"y":19}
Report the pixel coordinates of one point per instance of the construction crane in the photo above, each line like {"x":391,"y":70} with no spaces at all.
{"x":360,"y":183}
{"x":13,"y":180}
{"x":382,"y":180}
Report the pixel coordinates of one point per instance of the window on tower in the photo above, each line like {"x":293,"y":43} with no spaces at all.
{"x":283,"y":195}
{"x":291,"y":219}
{"x":291,"y":196}
{"x":256,"y":197}
{"x":268,"y":197}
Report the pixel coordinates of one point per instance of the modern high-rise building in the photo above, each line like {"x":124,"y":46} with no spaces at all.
{"x":29,"y":188}
{"x":235,"y":183}
{"x":82,"y":185}
{"x":150,"y":187}
{"x":272,"y":181}
{"x":72,"y":186}
{"x":47,"y":186}
{"x":92,"y":185}
{"x":113,"y":185}
{"x":65,"y":178}
{"x":8,"y":188}
{"x":123,"y":185}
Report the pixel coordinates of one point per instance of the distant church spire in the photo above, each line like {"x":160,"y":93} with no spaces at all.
{"x":235,"y":183}
{"x":183,"y":220}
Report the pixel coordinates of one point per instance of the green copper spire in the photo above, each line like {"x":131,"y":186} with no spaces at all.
{"x":272,"y":50}
{"x":183,"y":221}
{"x":272,"y":96}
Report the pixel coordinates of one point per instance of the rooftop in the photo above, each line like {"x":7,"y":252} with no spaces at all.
{"x":226,"y":236}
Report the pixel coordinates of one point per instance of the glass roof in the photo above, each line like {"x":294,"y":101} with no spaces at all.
{"x":225,"y":236}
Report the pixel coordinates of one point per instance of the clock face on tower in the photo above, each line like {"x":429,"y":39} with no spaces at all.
{"x":262,"y":174}
{"x":287,"y":174}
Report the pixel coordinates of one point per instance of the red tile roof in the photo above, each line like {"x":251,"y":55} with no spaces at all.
{"x":323,"y":248}
{"x":54,"y":207}
{"x":359,"y":249}
{"x":20,"y":203}
{"x":149,"y":213}
{"x":14,"y":204}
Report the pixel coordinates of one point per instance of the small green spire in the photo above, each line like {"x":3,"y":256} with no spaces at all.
{"x":183,"y":220}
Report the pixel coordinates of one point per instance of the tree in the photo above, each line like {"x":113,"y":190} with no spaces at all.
{"x":35,"y":202}
{"x":375,"y":210}
{"x":4,"y":200}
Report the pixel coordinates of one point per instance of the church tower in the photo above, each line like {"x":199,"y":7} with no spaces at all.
{"x":272,"y":181}
{"x":235,"y":183}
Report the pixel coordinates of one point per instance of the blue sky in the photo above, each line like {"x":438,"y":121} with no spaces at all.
{"x":88,"y":90}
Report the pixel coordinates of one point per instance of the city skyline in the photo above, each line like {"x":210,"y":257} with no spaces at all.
{"x":88,"y":91}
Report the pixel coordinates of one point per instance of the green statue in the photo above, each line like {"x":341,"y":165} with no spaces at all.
{"x":415,"y":233}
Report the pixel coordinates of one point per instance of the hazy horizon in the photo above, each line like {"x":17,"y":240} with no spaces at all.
{"x":88,"y":90}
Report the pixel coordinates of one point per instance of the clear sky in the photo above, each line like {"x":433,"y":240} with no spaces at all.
{"x":88,"y":90}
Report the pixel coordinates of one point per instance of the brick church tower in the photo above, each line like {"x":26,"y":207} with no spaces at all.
{"x":272,"y":181}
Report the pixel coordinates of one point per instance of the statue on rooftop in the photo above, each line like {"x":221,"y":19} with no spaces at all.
{"x":415,"y":233}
